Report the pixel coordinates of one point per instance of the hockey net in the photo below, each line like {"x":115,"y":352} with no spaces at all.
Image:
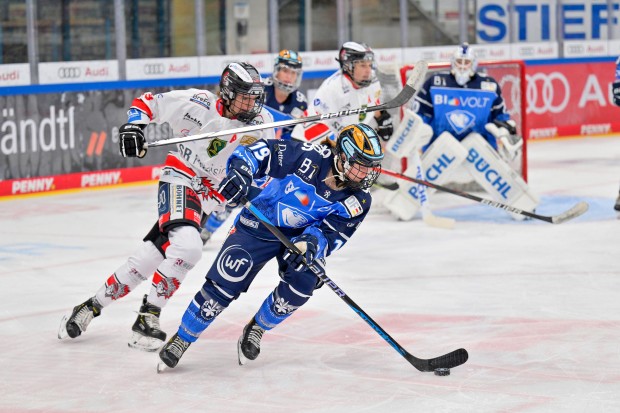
{"x":511,"y":77}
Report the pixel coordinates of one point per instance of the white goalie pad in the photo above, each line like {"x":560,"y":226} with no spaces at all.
{"x":412,"y":133}
{"x":442,"y":159}
{"x":496,"y":177}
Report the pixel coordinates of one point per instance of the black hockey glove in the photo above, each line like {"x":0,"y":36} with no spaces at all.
{"x":237,"y":183}
{"x":615,"y":88}
{"x":385,"y":128}
{"x":132,"y":141}
{"x":308,"y":246}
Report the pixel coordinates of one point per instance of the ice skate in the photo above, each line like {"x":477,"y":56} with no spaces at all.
{"x":75,"y":324}
{"x":205,"y":235}
{"x":248,"y":346}
{"x":172,"y":352}
{"x":147,"y":336}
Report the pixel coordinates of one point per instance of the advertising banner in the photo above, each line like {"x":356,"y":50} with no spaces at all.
{"x":535,"y":20}
{"x":53,"y":134}
{"x":570,"y":99}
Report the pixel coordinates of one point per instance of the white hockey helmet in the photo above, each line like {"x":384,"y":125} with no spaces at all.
{"x":464,"y":64}
{"x":352,"y":52}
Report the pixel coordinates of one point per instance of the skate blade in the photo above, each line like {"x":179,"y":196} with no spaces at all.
{"x":242,"y":359}
{"x":62,"y":330}
{"x":161,"y":367}
{"x":142,"y":343}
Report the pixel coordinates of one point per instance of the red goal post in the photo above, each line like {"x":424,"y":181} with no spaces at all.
{"x":510,"y":74}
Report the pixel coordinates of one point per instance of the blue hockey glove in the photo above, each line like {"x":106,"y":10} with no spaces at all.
{"x":385,"y":128}
{"x":132,"y":141}
{"x":308,"y":246}
{"x":237,"y":182}
{"x":615,"y":88}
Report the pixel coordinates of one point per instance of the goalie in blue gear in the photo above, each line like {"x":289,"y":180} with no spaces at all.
{"x":461,"y":119}
{"x":318,"y":196}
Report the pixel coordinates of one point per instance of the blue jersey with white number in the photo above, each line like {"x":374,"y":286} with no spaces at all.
{"x":447,"y":106}
{"x":297,"y":200}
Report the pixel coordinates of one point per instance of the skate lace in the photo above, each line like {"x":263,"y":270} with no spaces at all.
{"x":151,"y":320}
{"x":83,"y":318}
{"x":178,"y":347}
{"x":255,"y":335}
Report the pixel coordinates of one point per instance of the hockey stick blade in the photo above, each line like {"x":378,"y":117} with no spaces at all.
{"x":575,"y":211}
{"x":412,"y":86}
{"x":447,"y":361}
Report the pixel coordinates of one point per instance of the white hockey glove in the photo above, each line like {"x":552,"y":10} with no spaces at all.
{"x":509,"y":143}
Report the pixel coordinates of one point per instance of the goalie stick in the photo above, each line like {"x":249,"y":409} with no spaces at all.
{"x":413,"y":84}
{"x":573,"y":212}
{"x":452,"y":359}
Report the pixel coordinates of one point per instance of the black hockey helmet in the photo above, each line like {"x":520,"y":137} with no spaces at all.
{"x":242,"y":79}
{"x":352,"y":52}
{"x":291,"y":60}
{"x":358,"y":144}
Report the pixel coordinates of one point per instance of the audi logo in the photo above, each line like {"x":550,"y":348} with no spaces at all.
{"x":154,"y":69}
{"x":69,"y":72}
{"x":554,"y":93}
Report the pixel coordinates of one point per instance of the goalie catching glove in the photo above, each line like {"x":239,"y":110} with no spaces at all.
{"x":132,"y":141}
{"x":509,"y":143}
{"x":307,"y":246}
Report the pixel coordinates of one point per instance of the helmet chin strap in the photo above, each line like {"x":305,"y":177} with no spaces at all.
{"x":338,"y":174}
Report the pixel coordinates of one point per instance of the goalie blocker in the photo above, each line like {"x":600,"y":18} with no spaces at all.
{"x":443,"y":159}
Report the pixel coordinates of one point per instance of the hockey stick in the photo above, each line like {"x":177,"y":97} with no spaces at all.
{"x":575,"y":211}
{"x":413,"y":84}
{"x":453,"y":359}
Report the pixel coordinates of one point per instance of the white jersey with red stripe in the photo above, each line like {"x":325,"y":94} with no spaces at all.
{"x":199,"y":164}
{"x":338,"y":93}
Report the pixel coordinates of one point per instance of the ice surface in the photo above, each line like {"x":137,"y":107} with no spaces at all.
{"x":536,"y":305}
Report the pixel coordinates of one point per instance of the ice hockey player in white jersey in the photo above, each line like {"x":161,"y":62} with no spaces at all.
{"x":461,"y":119}
{"x":190,"y":174}
{"x":354,"y":86}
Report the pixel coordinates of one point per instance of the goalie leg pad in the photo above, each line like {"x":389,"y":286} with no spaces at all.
{"x":442,"y":159}
{"x":496,"y":176}
{"x":412,"y":133}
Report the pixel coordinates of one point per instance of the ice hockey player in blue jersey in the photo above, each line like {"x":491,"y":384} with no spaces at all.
{"x":461,"y":119}
{"x":318,"y":197}
{"x":282,"y":89}
{"x":615,"y":88}
{"x":283,"y":100}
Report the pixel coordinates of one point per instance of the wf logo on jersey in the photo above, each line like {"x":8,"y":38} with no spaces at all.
{"x":164,"y":286}
{"x":215,"y":147}
{"x":491,"y":175}
{"x":234,"y":263}
{"x":114,"y":289}
{"x":460,"y":120}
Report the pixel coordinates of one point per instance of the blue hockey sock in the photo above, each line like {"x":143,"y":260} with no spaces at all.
{"x":207,"y":304}
{"x":279,"y":306}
